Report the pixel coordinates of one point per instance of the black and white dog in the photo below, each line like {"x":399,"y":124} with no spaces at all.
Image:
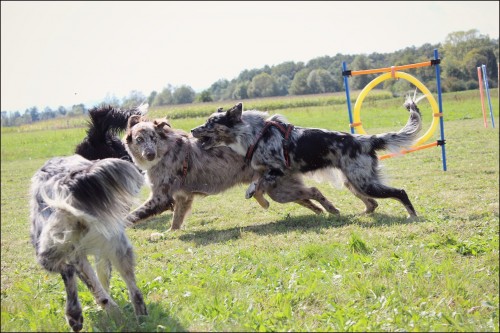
{"x":78,"y":208}
{"x":275,"y":148}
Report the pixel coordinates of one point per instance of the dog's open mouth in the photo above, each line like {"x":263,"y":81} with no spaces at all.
{"x":206,"y":141}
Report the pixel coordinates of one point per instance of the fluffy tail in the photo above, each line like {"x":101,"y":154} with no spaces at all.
{"x":108,"y":120}
{"x":406,"y":137}
{"x":99,"y":196}
{"x":102,"y":134}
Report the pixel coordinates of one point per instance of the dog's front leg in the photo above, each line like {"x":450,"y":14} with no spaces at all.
{"x":156,"y":204}
{"x":253,"y":185}
{"x":182,"y":207}
{"x":259,"y":196}
{"x":262,"y":182}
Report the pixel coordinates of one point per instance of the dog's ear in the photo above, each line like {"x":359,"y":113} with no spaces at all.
{"x":133,"y":120}
{"x":235,"y":112}
{"x":160,"y":123}
{"x":220,"y":109}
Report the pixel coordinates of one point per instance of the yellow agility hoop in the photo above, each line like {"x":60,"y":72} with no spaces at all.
{"x":411,"y":79}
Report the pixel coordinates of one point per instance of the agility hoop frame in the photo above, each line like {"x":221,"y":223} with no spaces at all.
{"x":393,"y":72}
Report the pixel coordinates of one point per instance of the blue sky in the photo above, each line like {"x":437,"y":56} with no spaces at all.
{"x":65,"y":53}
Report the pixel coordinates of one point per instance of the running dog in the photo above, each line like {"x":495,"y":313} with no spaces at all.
{"x":274,"y":148}
{"x":178,"y":168}
{"x":78,"y":208}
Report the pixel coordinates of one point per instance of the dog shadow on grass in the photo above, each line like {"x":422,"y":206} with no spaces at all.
{"x":303,"y":223}
{"x":160,"y":223}
{"x":157,"y":320}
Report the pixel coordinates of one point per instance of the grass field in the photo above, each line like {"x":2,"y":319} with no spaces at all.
{"x":237,"y":267}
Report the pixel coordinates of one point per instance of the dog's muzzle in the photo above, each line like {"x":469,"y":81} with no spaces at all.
{"x":149,"y":155}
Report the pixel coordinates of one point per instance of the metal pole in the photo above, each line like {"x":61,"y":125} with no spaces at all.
{"x":346,"y":85}
{"x":440,"y":103}
{"x":485,"y":78}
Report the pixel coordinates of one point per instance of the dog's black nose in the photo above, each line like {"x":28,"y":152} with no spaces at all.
{"x":150,"y":155}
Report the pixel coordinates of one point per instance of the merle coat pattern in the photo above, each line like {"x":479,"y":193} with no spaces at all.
{"x":178,"y":168}
{"x":311,"y":150}
{"x":78,"y":208}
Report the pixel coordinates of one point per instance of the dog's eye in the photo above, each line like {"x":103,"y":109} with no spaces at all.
{"x":139,"y":139}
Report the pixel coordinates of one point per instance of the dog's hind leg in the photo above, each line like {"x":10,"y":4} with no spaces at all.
{"x":309,"y":204}
{"x":291,"y":188}
{"x":319,"y":197}
{"x":124,"y":261}
{"x":370,"y":203}
{"x":74,"y":315}
{"x":88,"y":276}
{"x":103,"y":267}
{"x":381,"y":191}
{"x":182,"y":207}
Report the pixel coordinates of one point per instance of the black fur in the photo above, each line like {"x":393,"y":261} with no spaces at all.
{"x":102,"y":139}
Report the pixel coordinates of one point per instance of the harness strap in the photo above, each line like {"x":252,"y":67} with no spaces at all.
{"x":285,"y":130}
{"x":185,"y":163}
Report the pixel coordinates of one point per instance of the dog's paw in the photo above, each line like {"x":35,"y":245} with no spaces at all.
{"x":334,"y":211}
{"x":413,"y":218}
{"x":250,"y":191}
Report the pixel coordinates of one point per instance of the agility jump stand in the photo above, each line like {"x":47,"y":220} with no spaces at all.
{"x":393,"y":72}
{"x":483,"y":79}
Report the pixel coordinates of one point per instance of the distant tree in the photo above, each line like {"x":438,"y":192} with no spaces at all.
{"x":27,"y":117}
{"x":183,"y":94}
{"x":35,"y":115}
{"x":288,"y":69}
{"x":135,"y":98}
{"x":282,"y":85}
{"x":62,"y":110}
{"x":48,"y":113}
{"x":478,"y":57}
{"x":320,"y":81}
{"x":248,"y":75}
{"x":453,"y":68}
{"x":152,"y":97}
{"x":361,"y":62}
{"x":218,"y":88}
{"x":5,"y":119}
{"x":299,"y":83}
{"x":17,"y":119}
{"x":262,"y":85}
{"x":111,"y":100}
{"x":76,"y":110}
{"x":320,"y":62}
{"x":240,"y":91}
{"x":458,"y":44}
{"x":164,"y":97}
{"x":204,"y":96}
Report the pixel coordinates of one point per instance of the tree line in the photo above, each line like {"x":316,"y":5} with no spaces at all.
{"x":461,"y":53}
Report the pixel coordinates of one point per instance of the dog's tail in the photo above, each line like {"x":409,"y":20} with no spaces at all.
{"x":99,"y":197}
{"x":406,"y":137}
{"x":103,"y":127}
{"x":110,"y":120}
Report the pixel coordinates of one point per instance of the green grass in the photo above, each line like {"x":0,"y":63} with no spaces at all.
{"x":237,"y":267}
